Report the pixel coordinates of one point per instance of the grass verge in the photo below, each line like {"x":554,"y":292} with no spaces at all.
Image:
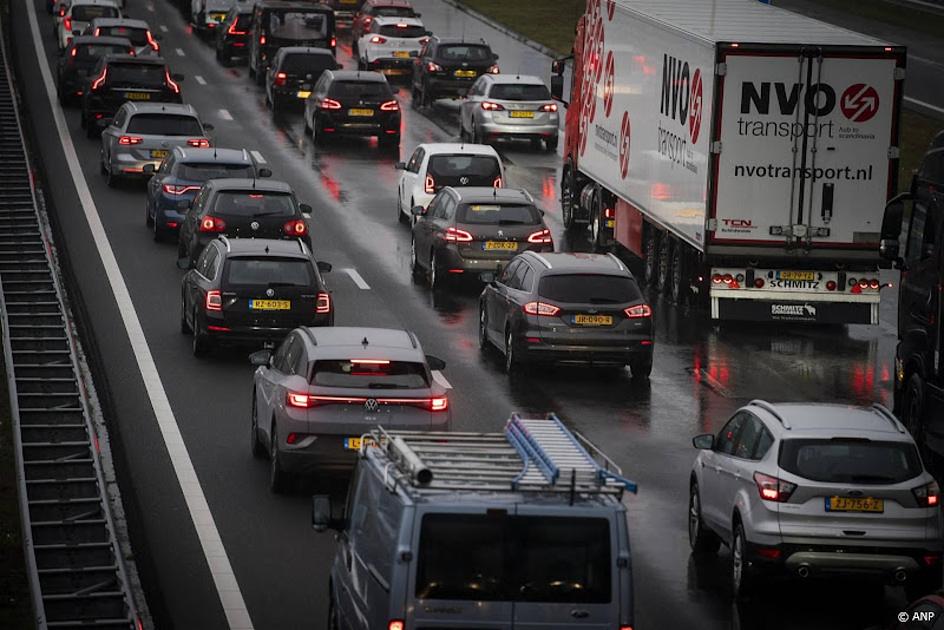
{"x":549,"y":22}
{"x":909,"y":16}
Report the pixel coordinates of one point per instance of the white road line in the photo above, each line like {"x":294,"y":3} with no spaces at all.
{"x":356,"y":277}
{"x":231,"y":598}
{"x":163,"y":28}
{"x":257,"y":157}
{"x":225,"y":115}
{"x":933,"y":108}
{"x":930,"y":62}
{"x":199,"y":79}
{"x":180,"y":52}
{"x":439,"y":378}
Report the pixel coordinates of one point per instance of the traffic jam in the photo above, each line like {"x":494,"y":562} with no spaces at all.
{"x":663,"y":264}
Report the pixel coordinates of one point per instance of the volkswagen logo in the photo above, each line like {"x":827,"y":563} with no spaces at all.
{"x":254,"y":225}
{"x":501,"y":234}
{"x":269,"y":292}
{"x":463,"y":180}
{"x":371,"y":405}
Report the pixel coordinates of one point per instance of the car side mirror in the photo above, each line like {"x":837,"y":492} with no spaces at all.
{"x":178,"y":77}
{"x":558,"y":65}
{"x":321,"y":517}
{"x":704,"y":442}
{"x":148,"y":169}
{"x":495,"y":56}
{"x":265,"y":172}
{"x":261,"y":358}
{"x":304,"y":207}
{"x":184,"y":263}
{"x":208,"y":127}
{"x":400,"y":166}
{"x":324,"y":267}
{"x":418,"y":211}
{"x":435,"y":363}
{"x":889,"y":248}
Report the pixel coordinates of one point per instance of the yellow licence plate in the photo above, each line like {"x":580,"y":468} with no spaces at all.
{"x":303,"y":94}
{"x":610,"y":223}
{"x":360,"y":112}
{"x":394,"y":71}
{"x":593,"y":320}
{"x":521,"y":114}
{"x":797,"y":275}
{"x":854,"y":504}
{"x":501,"y":245}
{"x":217,"y":17}
{"x":352,"y":443}
{"x":465,"y":74}
{"x":138,"y":96}
{"x":401,"y":54}
{"x":159,"y":153}
{"x":270,"y":305}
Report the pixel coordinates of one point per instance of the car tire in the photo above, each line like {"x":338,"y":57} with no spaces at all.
{"x":160,"y":233}
{"x":307,"y":123}
{"x":184,"y":326}
{"x":912,"y":414}
{"x":427,"y":97}
{"x":255,"y":444}
{"x":401,"y":216}
{"x":201,"y":343}
{"x":110,"y":178}
{"x":434,"y":274}
{"x":550,"y":144}
{"x":317,"y":137}
{"x":700,"y":538}
{"x":278,"y":479}
{"x":512,"y":362}
{"x":483,"y":329}
{"x":277,"y":104}
{"x":743,"y":579}
{"x":148,"y":220}
{"x":640,"y":368}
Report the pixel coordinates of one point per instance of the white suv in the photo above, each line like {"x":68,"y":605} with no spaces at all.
{"x":815,"y":489}
{"x":80,"y":14}
{"x":390,"y":45}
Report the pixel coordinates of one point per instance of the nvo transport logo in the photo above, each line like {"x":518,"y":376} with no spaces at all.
{"x":858,"y":103}
{"x":682,"y":94}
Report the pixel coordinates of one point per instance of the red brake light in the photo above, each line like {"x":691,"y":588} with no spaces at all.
{"x":492,"y":107}
{"x":550,"y":107}
{"x":638,"y":311}
{"x":62,"y":11}
{"x":295,"y":227}
{"x":773,"y":489}
{"x":214,"y":301}
{"x":299,"y":400}
{"x":200,"y":143}
{"x":390,"y":106}
{"x":541,"y":309}
{"x":494,"y":69}
{"x":438,"y":404}
{"x":152,"y":42}
{"x":330,"y":103}
{"x":433,"y":67}
{"x":130,"y":140}
{"x":928,"y":495}
{"x":429,"y":186}
{"x":716,"y":278}
{"x":498,"y":183}
{"x":874,"y":283}
{"x":377,"y":39}
{"x":396,"y":624}
{"x":100,"y":80}
{"x":67,"y":23}
{"x":541,"y":236}
{"x":75,"y":51}
{"x":212,"y":224}
{"x":170,"y":82}
{"x":262,"y":40}
{"x":323,"y":306}
{"x":232,"y":31}
{"x":334,"y":42}
{"x":280,"y":78}
{"x":455,"y":235}
{"x":170,"y":189}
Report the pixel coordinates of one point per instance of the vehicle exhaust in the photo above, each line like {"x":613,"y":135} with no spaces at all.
{"x":803,"y":571}
{"x":900,"y":576}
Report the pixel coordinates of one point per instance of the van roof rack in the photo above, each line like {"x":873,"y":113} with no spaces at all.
{"x":531,"y":455}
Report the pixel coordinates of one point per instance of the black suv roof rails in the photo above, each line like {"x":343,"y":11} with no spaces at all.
{"x":766,"y":406}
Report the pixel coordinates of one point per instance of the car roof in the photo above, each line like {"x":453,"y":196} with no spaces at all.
{"x":516,"y":79}
{"x":390,"y":3}
{"x":110,"y":21}
{"x":173,"y":109}
{"x":382,"y":343}
{"x":385,"y":20}
{"x":102,"y":39}
{"x":460,"y":40}
{"x":488,"y":194}
{"x":291,"y":248}
{"x":356,"y":75}
{"x":797,"y":420}
{"x":215,"y":154}
{"x":310,"y":50}
{"x":248,"y":184}
{"x":576,"y":262}
{"x":433,"y":148}
{"x":149,"y":60}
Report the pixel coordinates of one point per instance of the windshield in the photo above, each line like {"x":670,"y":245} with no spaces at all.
{"x":464,"y":52}
{"x":164,"y":125}
{"x":850,"y":461}
{"x":307,"y":64}
{"x":137,"y":36}
{"x":262,"y":272}
{"x":512,"y":92}
{"x":135,"y":74}
{"x":403,"y":30}
{"x":90,"y":52}
{"x":359,"y":89}
{"x":493,"y":214}
{"x":589,"y":289}
{"x":297,"y":25}
{"x":514,"y":558}
{"x":213,"y":170}
{"x":394,"y":12}
{"x":248,"y":204}
{"x":370,"y":374}
{"x":88,"y":12}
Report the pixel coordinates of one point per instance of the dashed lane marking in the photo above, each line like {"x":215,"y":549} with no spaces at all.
{"x":163,"y":28}
{"x":180,"y":52}
{"x":199,"y":79}
{"x":225,"y":115}
{"x":356,"y":277}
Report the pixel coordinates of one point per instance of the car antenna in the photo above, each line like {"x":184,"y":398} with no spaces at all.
{"x":365,"y":343}
{"x":267,"y":249}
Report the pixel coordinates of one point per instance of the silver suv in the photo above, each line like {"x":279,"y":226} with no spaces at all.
{"x":814,"y":489}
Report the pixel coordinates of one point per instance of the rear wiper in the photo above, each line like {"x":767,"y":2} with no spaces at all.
{"x":598,"y":300}
{"x":266,"y":214}
{"x":383,"y":386}
{"x":512,"y":222}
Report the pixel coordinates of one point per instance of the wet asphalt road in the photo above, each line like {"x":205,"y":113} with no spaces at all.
{"x":702,"y":372}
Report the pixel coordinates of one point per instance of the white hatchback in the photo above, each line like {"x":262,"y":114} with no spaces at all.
{"x":433,"y":166}
{"x":80,"y":14}
{"x":390,"y":45}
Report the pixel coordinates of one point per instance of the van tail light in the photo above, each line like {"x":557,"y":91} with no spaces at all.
{"x":334,"y":42}
{"x":262,"y":40}
{"x":280,"y":78}
{"x":213,"y":301}
{"x":377,"y":39}
{"x":541,"y":236}
{"x":67,"y":24}
{"x":494,"y":69}
{"x":396,"y":624}
{"x":928,"y":495}
{"x":433,"y":67}
{"x":170,"y":82}
{"x":549,"y":107}
{"x":295,"y":227}
{"x":390,"y":106}
{"x":170,"y":189}
{"x":638,"y":311}
{"x":429,"y":185}
{"x":440,"y":403}
{"x":323,"y":306}
{"x":299,"y":400}
{"x":153,"y":42}
{"x":541,"y":309}
{"x":126,"y":140}
{"x":492,"y":107}
{"x":100,"y":80}
{"x":498,"y":183}
{"x":200,"y":143}
{"x":455,"y":235}
{"x":330,"y":103}
{"x":212,"y":224}
{"x":773,"y":489}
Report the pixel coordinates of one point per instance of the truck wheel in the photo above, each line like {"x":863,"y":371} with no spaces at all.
{"x":912,"y":414}
{"x":567,"y":199}
{"x":598,"y":233}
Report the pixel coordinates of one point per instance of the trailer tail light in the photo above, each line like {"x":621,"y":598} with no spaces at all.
{"x":323,"y":304}
{"x":773,"y":489}
{"x":100,"y":80}
{"x":759,"y":283}
{"x":541,"y":236}
{"x":213,"y":301}
{"x":390,"y":106}
{"x":928,"y":495}
{"x":200,"y":143}
{"x":330,"y":103}
{"x":455,"y":235}
{"x":295,"y":227}
{"x":541,"y":309}
{"x":433,"y":67}
{"x":377,"y":39}
{"x":280,"y":78}
{"x":716,"y":278}
{"x":492,"y":107}
{"x":549,"y":107}
{"x":152,"y":42}
{"x":429,"y":185}
{"x":831,"y":285}
{"x":211,"y":224}
{"x":128,"y":140}
{"x":170,"y":82}
{"x":874,"y":284}
{"x":638,"y":311}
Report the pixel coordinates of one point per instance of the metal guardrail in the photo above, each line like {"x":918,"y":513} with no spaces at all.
{"x":76,"y":571}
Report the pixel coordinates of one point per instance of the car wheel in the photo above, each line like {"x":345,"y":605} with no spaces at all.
{"x":512,"y":363}
{"x":148,"y":219}
{"x":110,"y":178}
{"x":567,"y":200}
{"x":401,"y":216}
{"x":415,"y":267}
{"x":101,"y":164}
{"x":742,"y":578}
{"x":700,"y":538}
{"x":201,"y":344}
{"x":483,"y":328}
{"x":160,"y":233}
{"x":258,"y":450}
{"x":278,"y":480}
{"x":184,"y":326}
{"x":434,"y":275}
{"x":640,"y":368}
{"x":316,"y":136}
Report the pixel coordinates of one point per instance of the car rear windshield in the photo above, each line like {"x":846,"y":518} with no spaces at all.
{"x":137,"y":36}
{"x":165,"y":125}
{"x":850,"y":461}
{"x":512,"y":92}
{"x":213,"y":170}
{"x":307,"y":64}
{"x":88,"y":12}
{"x":405,"y":30}
{"x":370,"y":374}
{"x":464,"y":52}
{"x":135,"y":75}
{"x":394,"y":12}
{"x":90,"y":52}
{"x":297,"y":25}
{"x":478,"y":170}
{"x":587,"y":288}
{"x":495,"y":214}
{"x":268,"y":271}
{"x":514,"y":558}
{"x":249,"y":204}
{"x":359,"y":89}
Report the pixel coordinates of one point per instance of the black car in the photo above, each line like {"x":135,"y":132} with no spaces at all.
{"x":79,"y":60}
{"x":448,"y":67}
{"x":567,"y":307}
{"x":246,"y":290}
{"x":120,"y":78}
{"x":232,"y":37}
{"x":278,"y":23}
{"x":293,"y":74}
{"x":474,"y":231}
{"x":353,"y":103}
{"x":250,"y":208}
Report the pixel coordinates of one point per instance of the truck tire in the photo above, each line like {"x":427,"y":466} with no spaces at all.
{"x":567,"y":199}
{"x":912,"y":414}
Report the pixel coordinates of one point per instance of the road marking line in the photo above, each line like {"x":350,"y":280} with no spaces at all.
{"x":934,"y":108}
{"x":163,"y":28}
{"x":225,"y":115}
{"x":439,"y":378}
{"x":180,"y":52}
{"x":356,"y":277}
{"x":199,"y":79}
{"x":231,"y":598}
{"x":258,"y":157}
{"x":925,"y":60}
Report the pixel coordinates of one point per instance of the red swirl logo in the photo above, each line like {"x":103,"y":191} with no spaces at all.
{"x":695,"y":108}
{"x":859,"y":103}
{"x":625,"y":133}
{"x":609,"y":80}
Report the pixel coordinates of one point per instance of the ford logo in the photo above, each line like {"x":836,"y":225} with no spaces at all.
{"x":371,"y":405}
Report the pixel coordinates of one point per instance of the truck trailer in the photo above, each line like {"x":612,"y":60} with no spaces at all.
{"x":742,"y":153}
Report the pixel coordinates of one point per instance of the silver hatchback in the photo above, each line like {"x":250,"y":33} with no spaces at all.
{"x":146,"y":133}
{"x":510,"y":106}
{"x":816,"y":490}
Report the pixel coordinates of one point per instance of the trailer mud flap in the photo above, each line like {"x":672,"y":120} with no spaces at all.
{"x":795,"y":311}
